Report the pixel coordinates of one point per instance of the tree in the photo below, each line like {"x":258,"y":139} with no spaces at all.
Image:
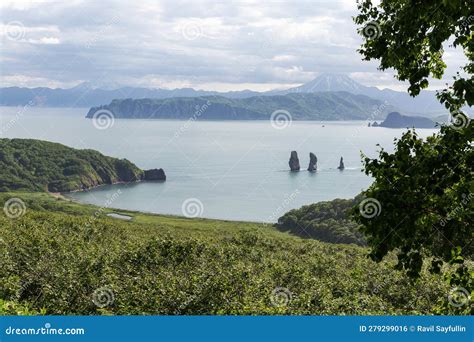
{"x":421,"y":202}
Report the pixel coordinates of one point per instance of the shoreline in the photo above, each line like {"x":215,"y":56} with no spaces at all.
{"x":130,"y":212}
{"x":97,"y":186}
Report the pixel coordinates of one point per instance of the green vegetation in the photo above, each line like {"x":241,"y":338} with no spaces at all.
{"x":325,"y":221}
{"x":66,"y":259}
{"x":424,"y":193}
{"x":305,"y":106}
{"x":35,"y":165}
{"x":421,"y":206}
{"x":421,"y":200}
{"x":60,"y":257}
{"x":408,"y":37}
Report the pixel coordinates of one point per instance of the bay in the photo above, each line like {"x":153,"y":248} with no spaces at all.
{"x":232,"y":170}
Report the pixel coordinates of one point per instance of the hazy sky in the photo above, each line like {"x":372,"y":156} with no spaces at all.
{"x":212,"y":45}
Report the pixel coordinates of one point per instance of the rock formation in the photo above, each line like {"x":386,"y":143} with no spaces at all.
{"x":154,"y":175}
{"x":341,"y":164}
{"x":294,"y":161}
{"x":396,"y":120}
{"x":313,"y":162}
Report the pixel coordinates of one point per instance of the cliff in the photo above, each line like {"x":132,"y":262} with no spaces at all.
{"x":397,"y":120}
{"x":35,"y":165}
{"x":307,"y":106}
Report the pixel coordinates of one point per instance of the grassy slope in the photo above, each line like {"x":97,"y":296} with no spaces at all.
{"x":35,"y":165}
{"x":60,"y":252}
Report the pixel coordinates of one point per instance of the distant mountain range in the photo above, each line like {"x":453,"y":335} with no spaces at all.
{"x":85,"y":95}
{"x":425,"y":104}
{"x":301,"y":106}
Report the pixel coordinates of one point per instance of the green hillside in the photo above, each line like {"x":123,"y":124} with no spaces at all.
{"x":304,"y":106}
{"x":327,"y":221}
{"x":61,"y":257}
{"x":35,"y":165}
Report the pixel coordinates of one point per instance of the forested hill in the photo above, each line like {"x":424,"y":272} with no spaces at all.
{"x":327,"y":221}
{"x":301,"y":106}
{"x":35,"y":165}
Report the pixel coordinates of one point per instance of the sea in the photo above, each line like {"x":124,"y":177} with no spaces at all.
{"x":230,"y":170}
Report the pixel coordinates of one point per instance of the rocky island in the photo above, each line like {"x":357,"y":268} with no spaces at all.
{"x":313,"y":162}
{"x":36,"y":165}
{"x":154,"y":175}
{"x":397,"y":120}
{"x":294,"y":162}
{"x":341,"y":164}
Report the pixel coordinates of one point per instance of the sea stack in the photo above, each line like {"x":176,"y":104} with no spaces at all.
{"x":341,"y":164}
{"x":154,"y":175}
{"x":313,"y":162}
{"x":294,"y":161}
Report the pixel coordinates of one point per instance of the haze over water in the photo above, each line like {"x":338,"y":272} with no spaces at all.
{"x":238,"y":170}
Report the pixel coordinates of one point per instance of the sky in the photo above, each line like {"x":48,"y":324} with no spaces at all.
{"x":211,"y":45}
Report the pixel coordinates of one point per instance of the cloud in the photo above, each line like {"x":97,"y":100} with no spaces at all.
{"x":203,"y":44}
{"x":44,"y":40}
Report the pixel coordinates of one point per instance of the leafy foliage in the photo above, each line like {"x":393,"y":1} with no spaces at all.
{"x":325,"y":221}
{"x":426,"y":198}
{"x":54,"y":263}
{"x":408,"y":36}
{"x":425,"y":188}
{"x":14,"y":309}
{"x":35,"y":165}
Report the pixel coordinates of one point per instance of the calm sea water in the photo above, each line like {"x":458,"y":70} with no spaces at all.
{"x":226,"y":170}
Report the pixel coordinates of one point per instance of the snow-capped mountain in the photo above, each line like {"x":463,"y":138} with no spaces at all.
{"x":330,"y":82}
{"x":424,"y":104}
{"x":88,"y":94}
